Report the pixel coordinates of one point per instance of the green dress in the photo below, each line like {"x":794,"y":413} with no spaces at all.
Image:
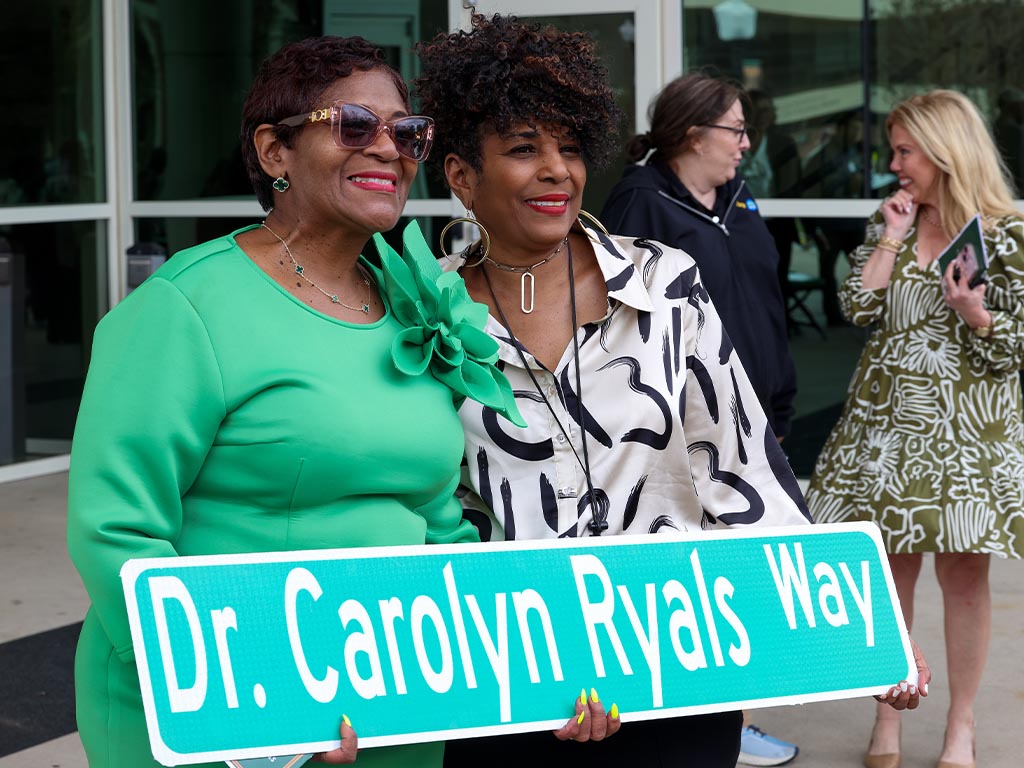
{"x":930,"y":443}
{"x":223,"y":415}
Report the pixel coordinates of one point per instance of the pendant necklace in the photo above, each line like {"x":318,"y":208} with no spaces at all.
{"x":301,"y":272}
{"x":599,"y":513}
{"x":526,"y":272}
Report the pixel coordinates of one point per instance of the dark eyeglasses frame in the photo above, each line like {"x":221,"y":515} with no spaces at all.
{"x":332,"y":113}
{"x":740,"y":132}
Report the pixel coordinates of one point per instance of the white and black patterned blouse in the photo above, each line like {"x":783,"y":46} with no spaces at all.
{"x":675,"y":435}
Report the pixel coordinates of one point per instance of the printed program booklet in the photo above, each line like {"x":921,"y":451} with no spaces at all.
{"x":968,"y":249}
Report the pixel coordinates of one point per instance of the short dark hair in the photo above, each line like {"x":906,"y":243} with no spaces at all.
{"x":291,"y":81}
{"x":503,"y":72}
{"x":688,"y":101}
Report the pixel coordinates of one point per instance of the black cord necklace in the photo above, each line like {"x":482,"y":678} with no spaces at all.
{"x":599,"y":516}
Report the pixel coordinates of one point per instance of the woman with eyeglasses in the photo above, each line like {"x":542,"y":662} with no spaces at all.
{"x":686,"y":192}
{"x":260,"y":392}
{"x":618,"y":359}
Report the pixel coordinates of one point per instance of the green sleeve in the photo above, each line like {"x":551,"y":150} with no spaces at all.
{"x":1004,"y":299}
{"x":153,"y":402}
{"x":445,"y":524}
{"x":859,"y":306}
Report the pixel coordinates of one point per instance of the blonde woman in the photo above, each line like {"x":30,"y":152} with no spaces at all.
{"x":930,"y":444}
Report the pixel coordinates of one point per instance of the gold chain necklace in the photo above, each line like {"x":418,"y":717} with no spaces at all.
{"x":526,"y":272}
{"x":927,"y":217}
{"x":301,"y":272}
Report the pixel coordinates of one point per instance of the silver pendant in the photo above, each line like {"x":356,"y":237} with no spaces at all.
{"x":522,"y":292}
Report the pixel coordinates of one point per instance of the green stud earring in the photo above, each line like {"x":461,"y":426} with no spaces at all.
{"x":281,"y":184}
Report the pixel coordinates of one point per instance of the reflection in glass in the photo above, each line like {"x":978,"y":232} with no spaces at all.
{"x":189,"y":79}
{"x":968,"y":46}
{"x":58,"y":290}
{"x":804,"y":75}
{"x":51,"y":135}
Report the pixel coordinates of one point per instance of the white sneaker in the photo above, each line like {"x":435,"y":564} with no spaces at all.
{"x":758,"y":748}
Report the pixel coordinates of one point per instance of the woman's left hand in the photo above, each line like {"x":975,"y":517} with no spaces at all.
{"x":906,"y":695}
{"x":968,"y":302}
{"x":591,"y":722}
{"x":346,"y":753}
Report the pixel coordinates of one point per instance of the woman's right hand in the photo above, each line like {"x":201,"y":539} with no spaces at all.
{"x":346,"y":753}
{"x":591,"y":722}
{"x":899,"y":212}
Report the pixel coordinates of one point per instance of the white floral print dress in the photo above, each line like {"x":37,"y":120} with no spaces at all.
{"x":930,"y":443}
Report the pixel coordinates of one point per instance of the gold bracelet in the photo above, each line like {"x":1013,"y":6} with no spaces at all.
{"x":890,"y":244}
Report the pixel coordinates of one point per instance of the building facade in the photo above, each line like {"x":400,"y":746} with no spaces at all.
{"x":120,"y":147}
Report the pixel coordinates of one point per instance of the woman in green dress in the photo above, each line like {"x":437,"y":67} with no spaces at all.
{"x":258,"y":392}
{"x":930,"y":444}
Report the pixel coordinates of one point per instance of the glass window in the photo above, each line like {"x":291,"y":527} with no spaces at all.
{"x":193,"y":64}
{"x":803,"y":69}
{"x":52,"y":295}
{"x":968,"y":46}
{"x":51,"y":135}
{"x":821,"y":106}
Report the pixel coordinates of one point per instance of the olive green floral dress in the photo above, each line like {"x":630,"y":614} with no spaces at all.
{"x":930,"y":443}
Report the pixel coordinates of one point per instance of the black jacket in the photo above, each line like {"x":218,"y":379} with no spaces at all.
{"x":738,"y":264}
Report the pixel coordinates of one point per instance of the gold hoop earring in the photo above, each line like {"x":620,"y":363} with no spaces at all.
{"x":484,"y":235}
{"x":595,"y":221}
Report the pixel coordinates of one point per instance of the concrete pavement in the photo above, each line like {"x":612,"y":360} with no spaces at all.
{"x":41,"y":591}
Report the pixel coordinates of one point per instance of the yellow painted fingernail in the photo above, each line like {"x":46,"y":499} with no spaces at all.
{"x":593,"y":695}
{"x":346,"y":721}
{"x":579,"y":720}
{"x":615,"y":712}
{"x":583,"y":697}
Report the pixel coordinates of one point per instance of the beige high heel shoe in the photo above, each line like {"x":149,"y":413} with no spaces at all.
{"x":889,"y":760}
{"x":883,"y":760}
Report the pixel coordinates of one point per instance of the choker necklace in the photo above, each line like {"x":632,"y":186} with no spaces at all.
{"x":301,"y":272}
{"x":526,"y":272}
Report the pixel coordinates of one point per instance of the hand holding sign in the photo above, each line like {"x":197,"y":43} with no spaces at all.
{"x":346,"y":753}
{"x":907,"y":695}
{"x":591,"y":722}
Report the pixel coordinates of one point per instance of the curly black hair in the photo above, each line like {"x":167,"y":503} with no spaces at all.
{"x":504,"y":72}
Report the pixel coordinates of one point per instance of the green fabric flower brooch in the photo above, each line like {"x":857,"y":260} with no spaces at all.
{"x":444,"y":327}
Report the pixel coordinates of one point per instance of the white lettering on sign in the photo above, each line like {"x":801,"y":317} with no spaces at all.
{"x":322,"y":689}
{"x":684,"y":618}
{"x":361,"y":642}
{"x":740,"y":654}
{"x":524,"y":602}
{"x":862,"y":598}
{"x":648,"y":639}
{"x":496,"y":649}
{"x":424,"y":608}
{"x":460,"y":625}
{"x":222,"y":622}
{"x":599,"y":612}
{"x":690,"y":654}
{"x":390,"y":611}
{"x":161,"y":589}
{"x":789,"y":573}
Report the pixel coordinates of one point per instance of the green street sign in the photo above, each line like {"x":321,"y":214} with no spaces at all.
{"x":243,"y":656}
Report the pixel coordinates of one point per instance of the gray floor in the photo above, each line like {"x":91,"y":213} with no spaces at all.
{"x":42,"y":591}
